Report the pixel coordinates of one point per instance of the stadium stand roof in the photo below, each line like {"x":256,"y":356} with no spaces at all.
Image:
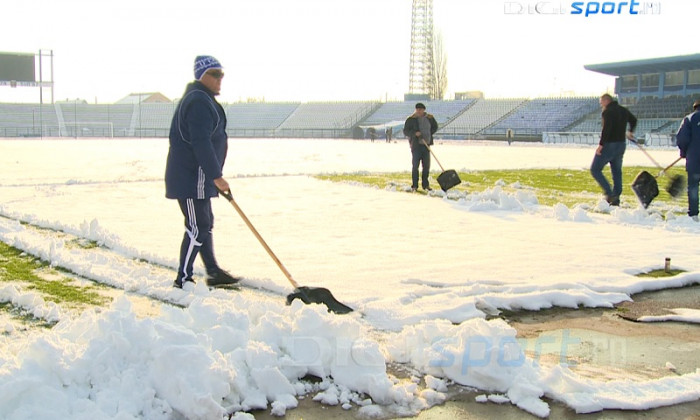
{"x":651,"y":65}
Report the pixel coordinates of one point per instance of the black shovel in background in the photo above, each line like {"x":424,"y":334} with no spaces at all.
{"x":645,"y":185}
{"x":306,"y":294}
{"x":646,"y":188}
{"x":448,"y":178}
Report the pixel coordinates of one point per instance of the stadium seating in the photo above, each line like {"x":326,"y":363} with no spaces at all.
{"x":464,"y":119}
{"x":480,"y":115}
{"x":587,"y":125}
{"x":258,"y":115}
{"x":390,"y":111}
{"x":28,"y":120}
{"x":152,"y":119}
{"x":669,"y":107}
{"x":653,"y":125}
{"x":155,"y":115}
{"x":443,"y":111}
{"x":545,"y":114}
{"x":324,"y":119}
{"x":321,"y":115}
{"x":593,"y":123}
{"x":98,"y":120}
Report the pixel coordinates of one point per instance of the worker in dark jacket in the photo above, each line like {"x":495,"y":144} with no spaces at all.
{"x":688,"y":141}
{"x":419,"y":129}
{"x":193,"y":172}
{"x":611,"y":149}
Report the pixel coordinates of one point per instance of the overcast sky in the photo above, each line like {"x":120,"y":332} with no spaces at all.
{"x":311,"y":50}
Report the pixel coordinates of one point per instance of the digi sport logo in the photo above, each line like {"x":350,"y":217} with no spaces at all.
{"x":582,"y":8}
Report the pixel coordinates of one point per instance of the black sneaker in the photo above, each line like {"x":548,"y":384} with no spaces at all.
{"x":428,"y":189}
{"x":177,"y":283}
{"x":221,"y":277}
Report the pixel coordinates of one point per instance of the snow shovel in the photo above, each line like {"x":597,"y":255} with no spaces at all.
{"x":676,"y":183}
{"x":646,"y":188}
{"x":306,"y":294}
{"x":448,"y":178}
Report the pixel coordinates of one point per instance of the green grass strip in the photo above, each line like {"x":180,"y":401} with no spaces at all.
{"x":551,"y":186}
{"x":17,"y":266}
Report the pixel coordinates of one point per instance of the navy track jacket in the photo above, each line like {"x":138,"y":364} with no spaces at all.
{"x":688,"y":140}
{"x":198,"y":145}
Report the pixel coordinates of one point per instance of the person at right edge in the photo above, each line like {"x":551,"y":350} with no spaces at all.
{"x":193,"y":172}
{"x":419,"y":129}
{"x":611,"y":149}
{"x":688,"y":141}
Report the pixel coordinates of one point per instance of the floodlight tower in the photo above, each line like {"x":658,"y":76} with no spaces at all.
{"x":420,"y":77}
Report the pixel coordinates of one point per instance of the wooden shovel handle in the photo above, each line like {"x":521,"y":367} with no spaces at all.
{"x":229,"y":197}
{"x":647,"y":153}
{"x":431,"y":152}
{"x":669,"y":166}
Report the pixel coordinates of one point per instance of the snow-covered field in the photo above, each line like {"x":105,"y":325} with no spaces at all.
{"x":421,"y":272}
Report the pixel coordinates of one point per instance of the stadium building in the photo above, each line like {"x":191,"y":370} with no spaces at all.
{"x":653,"y":79}
{"x":659,"y":91}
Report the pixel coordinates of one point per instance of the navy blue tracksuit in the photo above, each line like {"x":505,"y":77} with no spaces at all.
{"x":198,"y":147}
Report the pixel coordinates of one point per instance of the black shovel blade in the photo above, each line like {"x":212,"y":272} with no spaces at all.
{"x":645,"y":187}
{"x":318,"y":295}
{"x":448,"y":179}
{"x":676,"y":186}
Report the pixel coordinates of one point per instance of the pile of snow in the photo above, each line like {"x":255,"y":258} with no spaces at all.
{"x":677,"y":314}
{"x":206,"y":360}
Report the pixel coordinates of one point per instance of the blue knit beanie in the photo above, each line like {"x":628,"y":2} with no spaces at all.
{"x":203,"y":63}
